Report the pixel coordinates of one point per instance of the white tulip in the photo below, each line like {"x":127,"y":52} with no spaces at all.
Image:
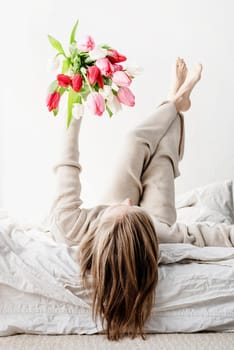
{"x":97,"y":52}
{"x":134,"y":69}
{"x":114,"y":105}
{"x":77,"y":110}
{"x":53,"y":64}
{"x":107,"y":93}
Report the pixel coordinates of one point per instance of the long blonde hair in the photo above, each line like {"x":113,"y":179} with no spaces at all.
{"x":121,"y":254}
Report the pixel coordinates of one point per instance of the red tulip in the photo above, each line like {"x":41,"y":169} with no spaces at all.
{"x":63,"y":80}
{"x":100,"y":81}
{"x":77,"y":82}
{"x":52,"y":100}
{"x":115,"y":57}
{"x":94,"y":75}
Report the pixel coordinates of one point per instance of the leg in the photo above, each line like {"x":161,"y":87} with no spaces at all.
{"x":151,"y":185}
{"x":158,"y":178}
{"x":140,"y":145}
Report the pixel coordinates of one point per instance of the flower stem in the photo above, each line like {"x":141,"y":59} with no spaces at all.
{"x":85,"y":78}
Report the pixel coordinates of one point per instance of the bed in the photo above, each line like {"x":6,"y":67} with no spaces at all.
{"x":41,"y":292}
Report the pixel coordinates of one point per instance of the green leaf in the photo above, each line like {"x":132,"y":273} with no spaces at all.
{"x":109,"y":111}
{"x":73,"y":33}
{"x":73,"y":97}
{"x":107,"y":47}
{"x":53,"y":87}
{"x":89,"y":60}
{"x":107,"y":81}
{"x":78,"y":99}
{"x":114,"y":92}
{"x":69,"y":108}
{"x":61,"y":90}
{"x":65,"y":66}
{"x":84,"y":91}
{"x":56,"y":44}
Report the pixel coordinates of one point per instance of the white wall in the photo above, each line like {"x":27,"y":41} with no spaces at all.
{"x":152,"y":33}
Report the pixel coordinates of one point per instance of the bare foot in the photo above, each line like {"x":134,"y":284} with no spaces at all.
{"x":179,"y":74}
{"x":182,"y":97}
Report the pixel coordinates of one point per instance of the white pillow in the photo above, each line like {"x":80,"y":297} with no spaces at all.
{"x":211,"y":203}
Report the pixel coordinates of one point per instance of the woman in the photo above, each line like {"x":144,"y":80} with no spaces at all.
{"x":119,"y":240}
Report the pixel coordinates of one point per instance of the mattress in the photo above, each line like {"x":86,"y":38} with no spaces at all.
{"x":41,"y":290}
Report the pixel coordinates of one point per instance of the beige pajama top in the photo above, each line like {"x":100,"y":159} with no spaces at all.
{"x":69,"y":222}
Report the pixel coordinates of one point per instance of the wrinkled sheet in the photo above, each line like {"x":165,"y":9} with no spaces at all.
{"x":41,"y":290}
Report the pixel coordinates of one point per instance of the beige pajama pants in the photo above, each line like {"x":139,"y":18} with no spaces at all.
{"x":149,"y":163}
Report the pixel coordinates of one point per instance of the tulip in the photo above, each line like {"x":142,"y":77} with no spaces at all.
{"x":134,"y":69}
{"x":121,"y":78}
{"x":114,"y":105}
{"x":63,"y":80}
{"x":107,"y":93}
{"x":96,"y":103}
{"x":126,"y":96}
{"x":77,"y":82}
{"x":86,"y":43}
{"x":53,"y":64}
{"x":105,"y":66}
{"x":94,"y":75}
{"x":97,"y":52}
{"x":52,"y":100}
{"x":117,"y":67}
{"x":77,"y":110}
{"x":115,"y":57}
{"x":100,"y":81}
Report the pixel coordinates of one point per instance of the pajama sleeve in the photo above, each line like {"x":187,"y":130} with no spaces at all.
{"x":67,"y":170}
{"x":200,"y":234}
{"x":68,"y":221}
{"x":203,"y":234}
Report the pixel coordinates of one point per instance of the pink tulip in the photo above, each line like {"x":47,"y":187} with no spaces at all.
{"x":96,"y":103}
{"x":117,"y":67}
{"x":105,"y":66}
{"x":121,"y":78}
{"x":126,"y":96}
{"x":86,"y":43}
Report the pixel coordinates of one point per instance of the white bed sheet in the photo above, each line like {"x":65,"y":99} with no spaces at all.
{"x":41,"y":292}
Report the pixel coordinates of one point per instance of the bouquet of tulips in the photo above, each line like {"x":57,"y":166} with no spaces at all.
{"x":93,"y":77}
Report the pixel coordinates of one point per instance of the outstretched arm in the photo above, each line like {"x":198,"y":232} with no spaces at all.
{"x":69,"y":222}
{"x":65,"y":212}
{"x":67,"y":170}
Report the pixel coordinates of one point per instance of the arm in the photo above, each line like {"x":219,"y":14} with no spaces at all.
{"x":65,"y":210}
{"x":198,"y":233}
{"x":68,"y":221}
{"x":67,"y":170}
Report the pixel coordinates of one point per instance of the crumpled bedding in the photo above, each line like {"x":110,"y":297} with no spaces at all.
{"x":41,"y":291}
{"x":211,"y":204}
